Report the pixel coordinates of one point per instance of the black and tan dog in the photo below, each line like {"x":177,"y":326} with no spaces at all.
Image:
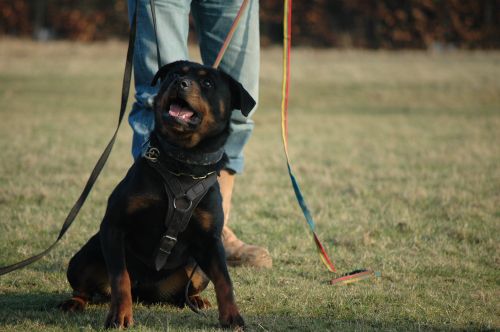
{"x":165,"y":217}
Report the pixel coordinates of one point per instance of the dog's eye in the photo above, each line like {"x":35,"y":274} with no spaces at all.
{"x":174,"y":76}
{"x":207,"y":83}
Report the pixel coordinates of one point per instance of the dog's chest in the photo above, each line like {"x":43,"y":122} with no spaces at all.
{"x":143,"y":238}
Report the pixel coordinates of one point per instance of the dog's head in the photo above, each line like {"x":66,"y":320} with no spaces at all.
{"x":195,"y":102}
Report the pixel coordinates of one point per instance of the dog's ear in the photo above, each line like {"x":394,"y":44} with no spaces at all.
{"x":240,"y":98}
{"x":163,"y":71}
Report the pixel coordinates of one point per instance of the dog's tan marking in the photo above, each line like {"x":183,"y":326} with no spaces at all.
{"x":185,"y":69}
{"x":202,"y":72}
{"x":136,"y":203}
{"x":222,"y":108}
{"x":163,"y":100}
{"x":199,"y":281}
{"x":120,"y":312}
{"x":204,"y":218}
{"x":200,"y":105}
{"x":170,"y":286}
{"x":196,"y":91}
{"x":167,"y":288}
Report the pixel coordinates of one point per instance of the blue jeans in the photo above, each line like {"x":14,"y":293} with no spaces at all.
{"x":213,"y":19}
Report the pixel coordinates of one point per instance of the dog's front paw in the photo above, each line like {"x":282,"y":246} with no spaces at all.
{"x":232,"y":320}
{"x":74,"y":304}
{"x":119,"y":317}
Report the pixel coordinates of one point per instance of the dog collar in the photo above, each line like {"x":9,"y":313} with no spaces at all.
{"x":190,"y":157}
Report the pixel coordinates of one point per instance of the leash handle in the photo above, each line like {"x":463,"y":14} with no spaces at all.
{"x":355,"y":276}
{"x":285,"y":92}
{"x":100,"y":163}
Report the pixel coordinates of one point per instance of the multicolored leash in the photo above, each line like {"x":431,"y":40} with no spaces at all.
{"x":287,"y":37}
{"x":285,"y":92}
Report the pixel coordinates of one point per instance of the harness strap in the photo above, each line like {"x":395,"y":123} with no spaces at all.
{"x":100,"y":163}
{"x":184,"y":194}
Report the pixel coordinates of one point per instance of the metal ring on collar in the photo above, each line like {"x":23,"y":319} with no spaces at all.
{"x":152,"y":154}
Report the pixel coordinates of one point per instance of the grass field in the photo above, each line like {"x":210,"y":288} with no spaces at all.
{"x":398,"y":155}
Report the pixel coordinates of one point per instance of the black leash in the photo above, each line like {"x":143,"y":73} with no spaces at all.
{"x":100,"y":163}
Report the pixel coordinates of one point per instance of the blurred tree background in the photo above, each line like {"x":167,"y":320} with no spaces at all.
{"x":388,"y":24}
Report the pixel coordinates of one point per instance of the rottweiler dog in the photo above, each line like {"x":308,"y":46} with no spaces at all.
{"x":192,"y":112}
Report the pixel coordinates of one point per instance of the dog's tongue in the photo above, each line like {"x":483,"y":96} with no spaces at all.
{"x":180,"y":112}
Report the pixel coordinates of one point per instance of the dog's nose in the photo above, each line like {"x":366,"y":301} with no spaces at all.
{"x":185,"y":83}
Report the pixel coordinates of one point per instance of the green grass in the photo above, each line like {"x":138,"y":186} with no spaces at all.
{"x":398,"y":155}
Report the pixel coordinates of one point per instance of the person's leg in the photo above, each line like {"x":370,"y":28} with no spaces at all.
{"x":172,"y":19}
{"x":213,"y":19}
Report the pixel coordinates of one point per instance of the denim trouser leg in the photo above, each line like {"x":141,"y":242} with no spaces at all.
{"x":213,"y":19}
{"x":172,"y":18}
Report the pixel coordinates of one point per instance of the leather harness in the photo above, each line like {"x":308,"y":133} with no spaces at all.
{"x":184,"y":192}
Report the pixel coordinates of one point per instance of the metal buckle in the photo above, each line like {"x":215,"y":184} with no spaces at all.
{"x":164,"y":251}
{"x":152,"y":154}
{"x":169,"y":241}
{"x":181,"y":209}
{"x":171,"y":238}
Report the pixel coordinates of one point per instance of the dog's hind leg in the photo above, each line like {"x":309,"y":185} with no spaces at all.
{"x":87,"y":276}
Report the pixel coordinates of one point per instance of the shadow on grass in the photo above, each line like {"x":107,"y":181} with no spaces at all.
{"x":27,"y":311}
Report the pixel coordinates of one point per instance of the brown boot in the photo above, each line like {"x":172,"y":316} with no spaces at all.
{"x":238,"y":253}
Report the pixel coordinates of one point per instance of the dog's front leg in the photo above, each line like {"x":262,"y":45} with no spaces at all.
{"x":112,"y":242}
{"x":212,"y":260}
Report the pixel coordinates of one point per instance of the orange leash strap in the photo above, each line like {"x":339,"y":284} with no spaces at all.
{"x":230,"y":34}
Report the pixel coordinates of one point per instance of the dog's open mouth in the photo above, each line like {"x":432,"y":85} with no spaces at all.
{"x":180,"y":111}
